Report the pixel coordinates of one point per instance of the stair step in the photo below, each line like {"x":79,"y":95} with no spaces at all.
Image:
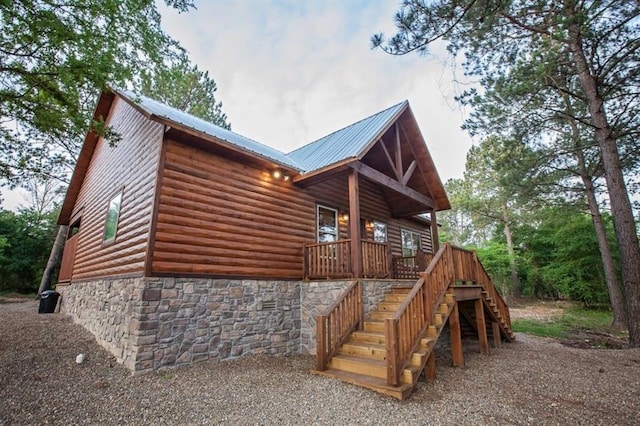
{"x":373,"y":383}
{"x":364,"y":350}
{"x":369,"y":367}
{"x":432,"y":331}
{"x":443,"y":309}
{"x":426,"y":341}
{"x":437,"y":319}
{"x":395,"y":297}
{"x":381,"y":315}
{"x":401,"y":290}
{"x":369,"y":337}
{"x":389,"y":306}
{"x":377,"y":326}
{"x":449,"y":298}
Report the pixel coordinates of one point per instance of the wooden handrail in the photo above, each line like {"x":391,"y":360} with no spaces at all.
{"x":405,"y":329}
{"x":335,"y":325}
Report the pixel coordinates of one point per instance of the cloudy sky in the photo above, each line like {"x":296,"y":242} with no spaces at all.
{"x":289,"y":72}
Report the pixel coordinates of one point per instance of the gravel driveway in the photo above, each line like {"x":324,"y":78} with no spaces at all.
{"x":532,"y":381}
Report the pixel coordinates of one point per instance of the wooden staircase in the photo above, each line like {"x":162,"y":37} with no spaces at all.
{"x":495,"y":314}
{"x":361,"y":360}
{"x":388,"y":351}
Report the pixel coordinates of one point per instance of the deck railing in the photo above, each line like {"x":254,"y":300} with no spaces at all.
{"x":328,"y":260}
{"x":375,"y":259}
{"x":333,"y":260}
{"x":334,"y":326}
{"x":409,"y":267}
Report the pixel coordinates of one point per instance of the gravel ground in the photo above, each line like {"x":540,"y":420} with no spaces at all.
{"x":532,"y":381}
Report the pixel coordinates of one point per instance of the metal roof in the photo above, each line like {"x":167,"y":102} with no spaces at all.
{"x":161,"y":110}
{"x":349,"y":142}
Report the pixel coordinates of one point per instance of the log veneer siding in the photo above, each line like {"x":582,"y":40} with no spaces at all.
{"x":129,"y":167}
{"x":220,"y":217}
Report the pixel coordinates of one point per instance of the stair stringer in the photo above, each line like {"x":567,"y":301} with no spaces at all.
{"x":494,"y":314}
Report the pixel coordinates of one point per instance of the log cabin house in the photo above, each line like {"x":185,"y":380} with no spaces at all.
{"x":189,"y":242}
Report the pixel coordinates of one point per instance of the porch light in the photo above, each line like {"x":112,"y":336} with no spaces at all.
{"x":278,"y":175}
{"x":344,"y":216}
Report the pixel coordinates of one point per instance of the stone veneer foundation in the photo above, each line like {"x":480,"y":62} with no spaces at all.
{"x":149,"y":323}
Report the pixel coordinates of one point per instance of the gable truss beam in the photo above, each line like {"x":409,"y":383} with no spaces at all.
{"x":382,"y":179}
{"x":410,"y":170}
{"x":391,"y":163}
{"x":398,"y":152}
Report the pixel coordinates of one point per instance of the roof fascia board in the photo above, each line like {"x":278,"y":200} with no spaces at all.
{"x":232,"y":147}
{"x":330,"y":170}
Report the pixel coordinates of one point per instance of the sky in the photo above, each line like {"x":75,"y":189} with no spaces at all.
{"x":289,"y":72}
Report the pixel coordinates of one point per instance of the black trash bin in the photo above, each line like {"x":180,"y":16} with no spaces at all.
{"x":48,"y":302}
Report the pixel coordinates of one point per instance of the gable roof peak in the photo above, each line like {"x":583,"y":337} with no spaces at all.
{"x":349,"y":142}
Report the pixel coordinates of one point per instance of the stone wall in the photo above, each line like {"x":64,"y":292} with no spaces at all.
{"x":107,"y":308}
{"x":317,"y":296}
{"x":149,"y":323}
{"x":191,"y":320}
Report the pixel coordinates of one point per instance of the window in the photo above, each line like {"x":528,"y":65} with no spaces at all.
{"x":379,"y":232}
{"x":111,"y":224}
{"x":410,"y":243}
{"x":327,"y":224}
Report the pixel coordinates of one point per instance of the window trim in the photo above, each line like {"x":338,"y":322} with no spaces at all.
{"x":111,"y":240}
{"x":335,"y":215}
{"x":411,"y":232}
{"x":386,"y":231}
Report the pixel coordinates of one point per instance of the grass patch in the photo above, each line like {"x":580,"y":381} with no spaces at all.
{"x":571,"y":320}
{"x":543,"y":328}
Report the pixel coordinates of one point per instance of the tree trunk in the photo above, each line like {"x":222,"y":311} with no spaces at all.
{"x":616,"y":297}
{"x":515,"y":281}
{"x":611,"y":276}
{"x":624,"y":224}
{"x":54,"y":258}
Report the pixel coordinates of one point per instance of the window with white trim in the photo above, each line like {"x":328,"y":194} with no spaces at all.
{"x":379,"y":232}
{"x":411,"y":242}
{"x":327,"y":224}
{"x":111,"y":223}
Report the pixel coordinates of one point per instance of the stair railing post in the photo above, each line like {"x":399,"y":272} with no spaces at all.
{"x":321,"y":343}
{"x":427,"y":299}
{"x":391,"y":338}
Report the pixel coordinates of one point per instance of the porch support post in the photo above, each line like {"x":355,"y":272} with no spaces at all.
{"x":456,"y":337}
{"x":482,"y":327}
{"x":435,"y":242}
{"x":354,"y":224}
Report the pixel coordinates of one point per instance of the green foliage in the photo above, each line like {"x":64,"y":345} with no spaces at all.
{"x":56,"y":56}
{"x":495,"y":258}
{"x":183,"y":86}
{"x":25,"y":241}
{"x":562,"y":257}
